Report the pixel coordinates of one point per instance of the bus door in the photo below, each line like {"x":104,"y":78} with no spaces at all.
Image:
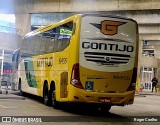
{"x":63,"y":84}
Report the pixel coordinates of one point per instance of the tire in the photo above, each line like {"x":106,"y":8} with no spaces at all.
{"x":21,"y":93}
{"x":45,"y":95}
{"x":19,"y":84}
{"x":20,"y":88}
{"x":54,"y":102}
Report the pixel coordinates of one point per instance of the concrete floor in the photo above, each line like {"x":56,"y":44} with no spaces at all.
{"x":31,"y":106}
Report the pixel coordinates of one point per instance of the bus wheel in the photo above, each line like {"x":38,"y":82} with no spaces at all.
{"x":104,"y":108}
{"x":45,"y":95}
{"x":20,"y":87}
{"x":54,"y":103}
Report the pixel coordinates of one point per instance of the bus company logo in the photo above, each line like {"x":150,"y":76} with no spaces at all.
{"x":107,"y":59}
{"x":109,"y":27}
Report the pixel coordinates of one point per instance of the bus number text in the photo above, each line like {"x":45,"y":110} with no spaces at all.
{"x":62,"y":60}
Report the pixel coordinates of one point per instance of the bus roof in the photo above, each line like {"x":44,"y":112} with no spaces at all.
{"x":48,"y":27}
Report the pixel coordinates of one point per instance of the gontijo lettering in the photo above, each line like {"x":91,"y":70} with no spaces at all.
{"x":45,"y":62}
{"x":104,"y":46}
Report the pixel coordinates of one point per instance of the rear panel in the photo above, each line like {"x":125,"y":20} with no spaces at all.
{"x":107,"y":53}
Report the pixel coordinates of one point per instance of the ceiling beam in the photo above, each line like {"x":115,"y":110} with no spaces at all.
{"x":149,"y":29}
{"x":42,"y":6}
{"x":154,"y":37}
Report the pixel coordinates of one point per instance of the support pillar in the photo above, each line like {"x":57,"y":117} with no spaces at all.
{"x":23,"y":22}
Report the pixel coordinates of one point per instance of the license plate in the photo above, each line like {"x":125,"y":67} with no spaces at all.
{"x":105,"y":100}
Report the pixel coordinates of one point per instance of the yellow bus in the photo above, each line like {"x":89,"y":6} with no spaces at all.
{"x":87,"y":58}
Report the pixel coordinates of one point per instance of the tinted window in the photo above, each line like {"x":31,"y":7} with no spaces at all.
{"x":54,"y":40}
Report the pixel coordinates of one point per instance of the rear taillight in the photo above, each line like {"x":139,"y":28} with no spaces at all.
{"x":75,"y":77}
{"x":132,"y":86}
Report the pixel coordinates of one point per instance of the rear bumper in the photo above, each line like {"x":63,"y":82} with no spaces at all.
{"x":79,"y":95}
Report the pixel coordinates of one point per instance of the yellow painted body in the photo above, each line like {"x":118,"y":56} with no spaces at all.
{"x":111,"y":85}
